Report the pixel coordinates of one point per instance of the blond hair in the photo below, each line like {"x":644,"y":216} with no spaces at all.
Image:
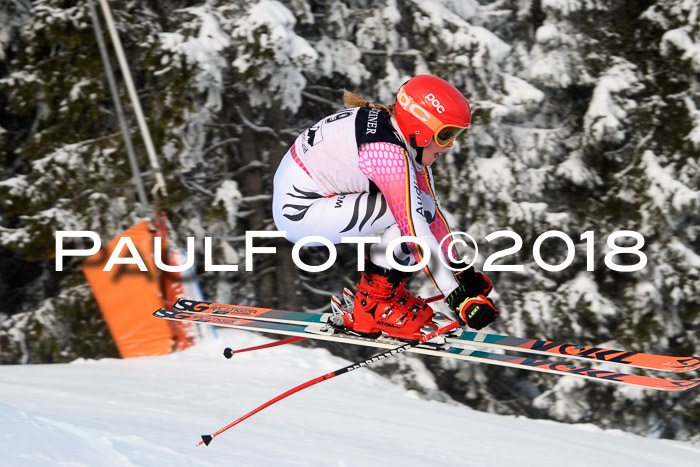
{"x":353,"y":100}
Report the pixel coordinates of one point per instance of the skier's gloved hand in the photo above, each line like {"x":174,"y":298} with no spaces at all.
{"x":475,"y":282}
{"x":476,"y":312}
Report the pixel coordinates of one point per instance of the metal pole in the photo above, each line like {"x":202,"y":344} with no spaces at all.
{"x":138,"y":181}
{"x":145,"y":134}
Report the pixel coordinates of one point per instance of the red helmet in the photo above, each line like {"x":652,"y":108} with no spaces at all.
{"x":428,"y":106}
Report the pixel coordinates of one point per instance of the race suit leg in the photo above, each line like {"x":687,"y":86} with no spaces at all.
{"x":300,"y":209}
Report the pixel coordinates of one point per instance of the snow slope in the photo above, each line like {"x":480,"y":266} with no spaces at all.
{"x":152,"y":411}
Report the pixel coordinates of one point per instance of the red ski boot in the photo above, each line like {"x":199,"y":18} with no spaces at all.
{"x":382,"y":304}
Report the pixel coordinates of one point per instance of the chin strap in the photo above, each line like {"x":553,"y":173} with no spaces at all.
{"x":419,"y":150}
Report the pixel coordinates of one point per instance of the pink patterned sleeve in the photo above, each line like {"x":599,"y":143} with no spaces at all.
{"x":389,"y":167}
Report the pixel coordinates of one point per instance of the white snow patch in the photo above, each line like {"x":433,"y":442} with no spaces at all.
{"x":584,"y":288}
{"x":561,"y":7}
{"x":575,"y":170}
{"x":519,"y":94}
{"x":694,"y":113}
{"x":77,"y":89}
{"x":151,"y":411}
{"x":680,"y":39}
{"x":268,"y":26}
{"x":342,"y":57}
{"x":230,"y":197}
{"x":554,"y":59}
{"x":604,"y":119}
{"x":664,"y":189}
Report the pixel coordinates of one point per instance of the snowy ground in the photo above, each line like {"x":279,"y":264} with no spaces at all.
{"x":151,"y":412}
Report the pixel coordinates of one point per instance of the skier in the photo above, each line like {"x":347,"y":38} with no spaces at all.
{"x":366,"y":169}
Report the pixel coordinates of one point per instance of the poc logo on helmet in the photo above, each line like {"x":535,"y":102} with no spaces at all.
{"x":436,"y":103}
{"x":416,"y":110}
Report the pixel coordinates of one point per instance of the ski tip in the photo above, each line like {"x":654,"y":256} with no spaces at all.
{"x":228,"y":352}
{"x":206,"y":439}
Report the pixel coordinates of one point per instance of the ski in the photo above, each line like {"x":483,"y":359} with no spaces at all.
{"x":249,"y":312}
{"x":481,"y":339}
{"x":316,"y":331}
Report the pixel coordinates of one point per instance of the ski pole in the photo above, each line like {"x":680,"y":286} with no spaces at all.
{"x":228,"y":351}
{"x":206,"y":439}
{"x":434,"y":299}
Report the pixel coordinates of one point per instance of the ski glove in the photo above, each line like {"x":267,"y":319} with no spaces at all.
{"x":475,"y":312}
{"x":475,"y":282}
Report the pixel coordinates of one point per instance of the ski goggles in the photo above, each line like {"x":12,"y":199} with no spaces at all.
{"x":444,"y":133}
{"x":448,"y":133}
